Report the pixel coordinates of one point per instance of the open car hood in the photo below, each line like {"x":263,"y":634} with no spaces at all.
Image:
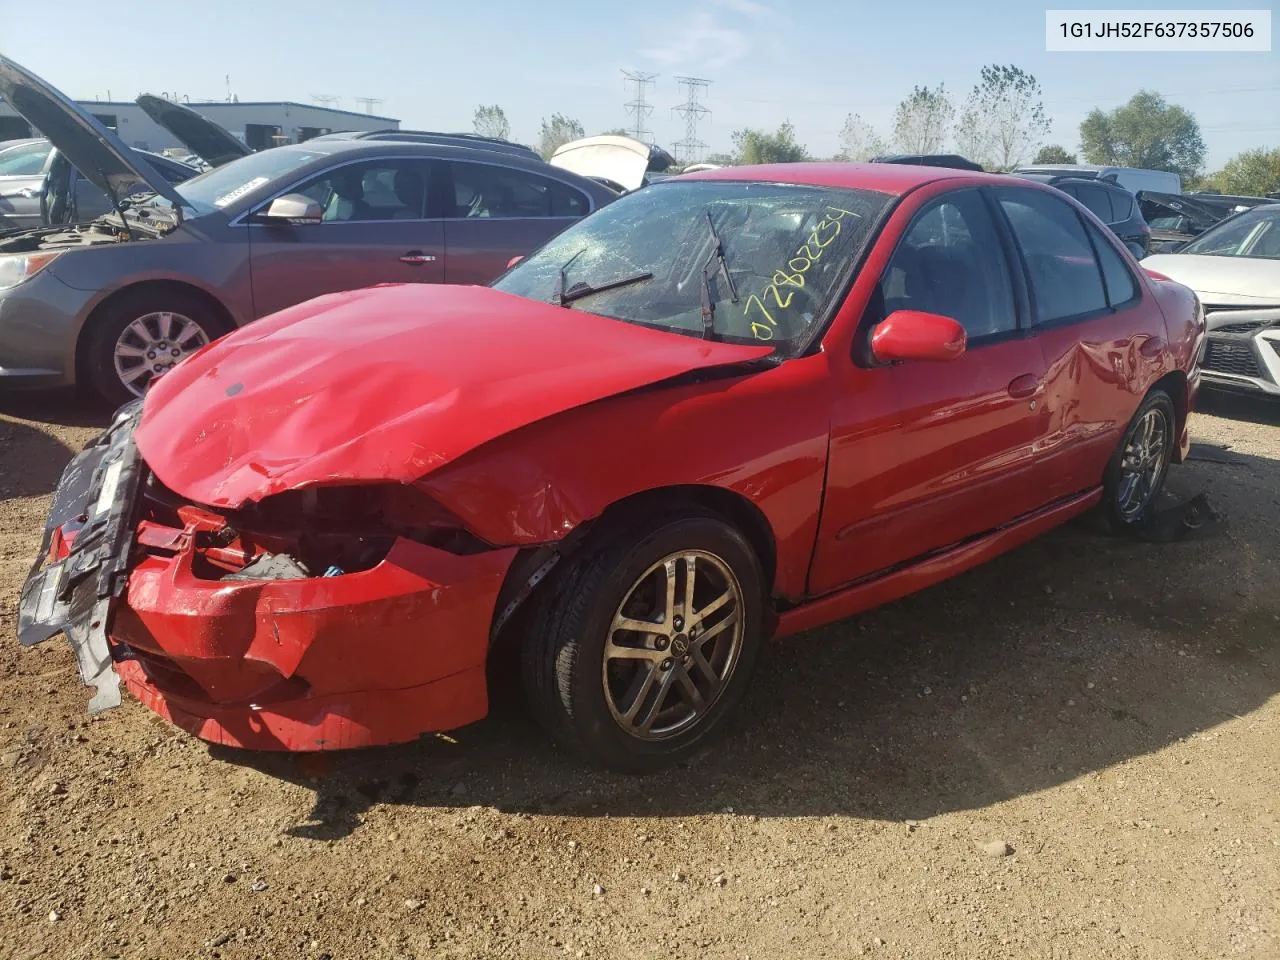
{"x":1202,"y":215}
{"x":621,"y":160}
{"x":90,"y":147}
{"x":388,"y":384}
{"x":208,"y":141}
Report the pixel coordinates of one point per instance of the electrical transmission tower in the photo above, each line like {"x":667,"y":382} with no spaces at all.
{"x":367,"y":102}
{"x":324,"y":99}
{"x":689,"y":150}
{"x":639,"y":107}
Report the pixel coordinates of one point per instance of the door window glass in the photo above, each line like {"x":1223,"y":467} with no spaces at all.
{"x":492,"y":191}
{"x":24,"y":161}
{"x":1121,"y":287}
{"x":951,"y":262}
{"x":1065,"y":278}
{"x":373,"y":190}
{"x":1098,"y":201}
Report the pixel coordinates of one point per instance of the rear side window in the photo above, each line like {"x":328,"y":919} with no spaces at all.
{"x":1121,"y":287}
{"x":1098,"y":201}
{"x":1122,"y":206}
{"x":1065,"y":278}
{"x":491,"y":191}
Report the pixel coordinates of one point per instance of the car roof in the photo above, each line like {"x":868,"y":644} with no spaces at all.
{"x":892,"y":178}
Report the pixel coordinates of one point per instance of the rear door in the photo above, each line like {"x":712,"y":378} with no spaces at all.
{"x":375,"y":229}
{"x":958,"y":454}
{"x":496,"y":212}
{"x":1095,"y":326}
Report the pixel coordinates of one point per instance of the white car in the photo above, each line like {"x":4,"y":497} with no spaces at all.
{"x":1234,"y":268}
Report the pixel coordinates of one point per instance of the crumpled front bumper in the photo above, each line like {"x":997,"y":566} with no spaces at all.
{"x":377,"y":656}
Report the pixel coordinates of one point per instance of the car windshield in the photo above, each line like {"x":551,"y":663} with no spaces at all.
{"x":787,"y":249}
{"x":1254,"y":233}
{"x":224,"y":185}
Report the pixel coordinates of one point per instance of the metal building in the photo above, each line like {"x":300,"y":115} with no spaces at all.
{"x":259,"y":124}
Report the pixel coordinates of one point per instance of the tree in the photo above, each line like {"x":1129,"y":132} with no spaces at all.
{"x":616,"y":132}
{"x":722,"y":159}
{"x":556,"y":132}
{"x":1003,"y":118}
{"x":760,"y":146}
{"x":859,"y":141}
{"x":1146,"y":132}
{"x":491,"y":122}
{"x":1254,"y":173}
{"x":1054,"y":154}
{"x":923,"y":120}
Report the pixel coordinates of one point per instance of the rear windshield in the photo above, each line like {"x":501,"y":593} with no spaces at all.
{"x":225,"y":185}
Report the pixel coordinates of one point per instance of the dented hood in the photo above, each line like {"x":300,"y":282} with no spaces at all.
{"x":389,"y":383}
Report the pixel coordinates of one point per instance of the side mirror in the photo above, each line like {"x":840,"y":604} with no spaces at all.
{"x":915,"y":335}
{"x":292,"y":208}
{"x":513,"y":261}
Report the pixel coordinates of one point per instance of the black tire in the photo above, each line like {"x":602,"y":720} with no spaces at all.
{"x":102,"y":379}
{"x":1118,"y":512}
{"x":563,"y":654}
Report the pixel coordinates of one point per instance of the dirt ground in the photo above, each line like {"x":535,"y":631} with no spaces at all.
{"x":1107,"y":708}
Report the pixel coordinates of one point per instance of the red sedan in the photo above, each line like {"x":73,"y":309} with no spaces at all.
{"x":727,"y":407}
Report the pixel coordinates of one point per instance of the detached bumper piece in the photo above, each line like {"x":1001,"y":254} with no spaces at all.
{"x":235,"y":626}
{"x":77,"y":591}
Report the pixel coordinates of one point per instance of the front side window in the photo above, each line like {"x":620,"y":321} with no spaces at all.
{"x":1065,"y":278}
{"x":1255,"y":233}
{"x":370,"y":191}
{"x":950,"y":262}
{"x":25,"y":161}
{"x":491,"y":191}
{"x":788,"y":251}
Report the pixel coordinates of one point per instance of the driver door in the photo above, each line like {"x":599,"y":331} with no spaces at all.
{"x":374,"y":229}
{"x":927,"y":454}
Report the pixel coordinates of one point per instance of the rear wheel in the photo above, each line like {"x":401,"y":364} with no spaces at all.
{"x":141,"y":336}
{"x":1137,"y":471}
{"x":646,"y":643}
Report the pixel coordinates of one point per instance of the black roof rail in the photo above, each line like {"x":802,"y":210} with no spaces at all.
{"x":434,"y":136}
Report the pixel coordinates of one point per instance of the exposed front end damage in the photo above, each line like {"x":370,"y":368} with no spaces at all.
{"x":315,"y":620}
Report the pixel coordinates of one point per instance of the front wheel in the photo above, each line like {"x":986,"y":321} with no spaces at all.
{"x":647,"y":642}
{"x":141,"y":336}
{"x":1137,"y":470}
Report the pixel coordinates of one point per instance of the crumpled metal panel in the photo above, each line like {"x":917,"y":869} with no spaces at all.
{"x":390,"y":383}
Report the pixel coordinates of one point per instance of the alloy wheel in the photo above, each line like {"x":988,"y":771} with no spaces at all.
{"x":152,"y":345}
{"x":673,"y":645}
{"x":1142,"y":465}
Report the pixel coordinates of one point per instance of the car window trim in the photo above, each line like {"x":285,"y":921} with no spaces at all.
{"x":1034,"y":328}
{"x":1106,"y":288}
{"x":448,"y":177}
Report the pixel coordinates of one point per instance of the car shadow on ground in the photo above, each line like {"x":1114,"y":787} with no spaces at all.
{"x":30,"y":461}
{"x":1236,"y":406}
{"x":1066,"y":657}
{"x":58,"y":407}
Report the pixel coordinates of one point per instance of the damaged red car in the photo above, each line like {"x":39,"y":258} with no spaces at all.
{"x":728,"y":407}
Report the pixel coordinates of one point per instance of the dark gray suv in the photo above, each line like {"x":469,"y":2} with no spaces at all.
{"x":116,"y":302}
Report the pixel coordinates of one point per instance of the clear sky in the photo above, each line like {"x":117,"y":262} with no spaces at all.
{"x":811,"y":61}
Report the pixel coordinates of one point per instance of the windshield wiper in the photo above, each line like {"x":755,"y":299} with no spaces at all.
{"x":560,"y":275}
{"x":581,"y":290}
{"x":722,"y":266}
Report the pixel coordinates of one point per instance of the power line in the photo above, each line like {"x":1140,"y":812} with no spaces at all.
{"x":639,"y":107}
{"x":689,"y":150}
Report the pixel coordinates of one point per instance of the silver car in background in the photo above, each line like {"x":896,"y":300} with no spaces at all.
{"x":1234,"y":268}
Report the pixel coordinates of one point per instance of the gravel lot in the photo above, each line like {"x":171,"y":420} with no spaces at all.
{"x":1100,"y":714}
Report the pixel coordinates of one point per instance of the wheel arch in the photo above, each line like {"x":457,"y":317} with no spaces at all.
{"x":1176,"y":386}
{"x":528,"y":576}
{"x":100,"y":309}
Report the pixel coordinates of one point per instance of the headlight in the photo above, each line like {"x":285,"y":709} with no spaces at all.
{"x":16,"y":267}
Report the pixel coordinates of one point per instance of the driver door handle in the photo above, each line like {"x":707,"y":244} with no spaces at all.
{"x":417,"y":258}
{"x":1027,"y":385}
